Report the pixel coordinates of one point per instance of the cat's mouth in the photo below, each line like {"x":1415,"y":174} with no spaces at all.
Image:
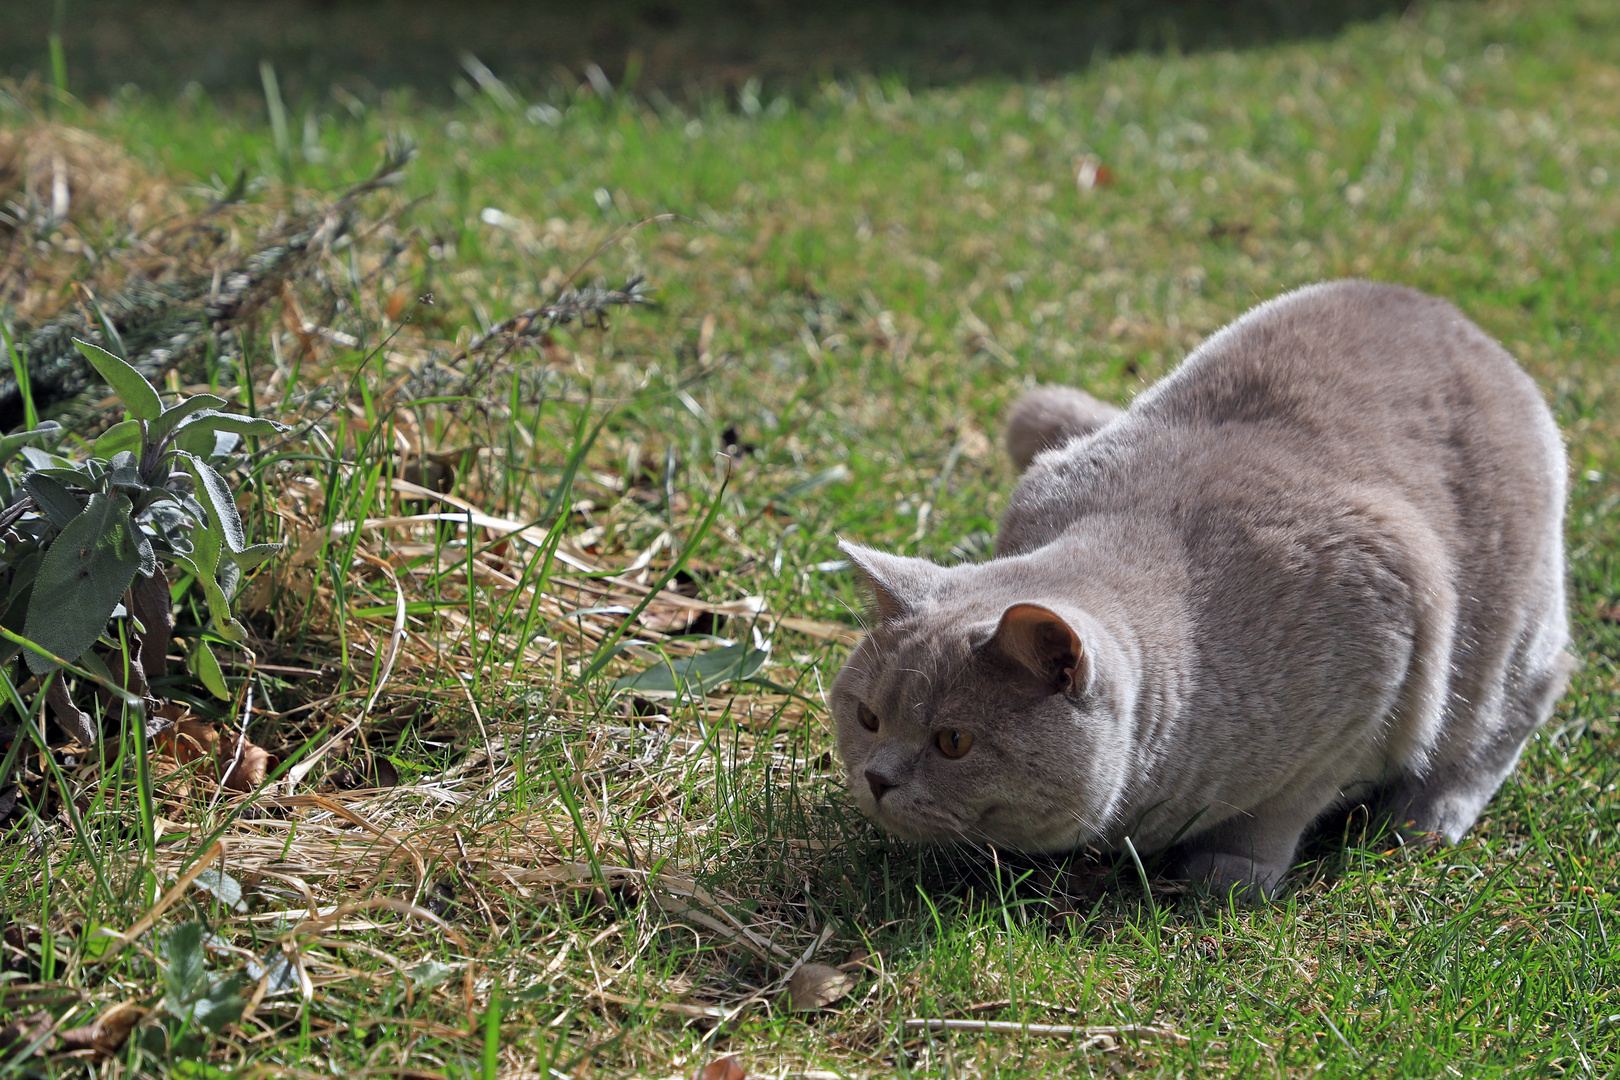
{"x":927,"y":826}
{"x":999,"y":824}
{"x":996,"y":823}
{"x":921,"y":825}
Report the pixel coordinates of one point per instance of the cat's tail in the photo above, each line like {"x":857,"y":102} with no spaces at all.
{"x":1049,"y":416}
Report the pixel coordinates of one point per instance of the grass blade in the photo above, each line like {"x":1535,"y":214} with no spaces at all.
{"x":604,"y":652}
{"x":19,"y":370}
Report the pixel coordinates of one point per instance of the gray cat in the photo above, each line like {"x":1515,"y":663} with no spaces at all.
{"x":1324,"y":557}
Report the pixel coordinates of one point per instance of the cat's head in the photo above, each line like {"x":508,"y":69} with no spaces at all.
{"x":978,"y":709}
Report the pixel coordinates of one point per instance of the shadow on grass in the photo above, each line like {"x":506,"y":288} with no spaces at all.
{"x":692,"y":49}
{"x":898,"y":895}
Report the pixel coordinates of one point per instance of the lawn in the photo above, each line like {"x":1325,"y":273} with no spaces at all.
{"x":504,"y":866}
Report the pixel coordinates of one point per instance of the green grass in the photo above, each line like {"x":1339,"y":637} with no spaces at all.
{"x":885,"y":270}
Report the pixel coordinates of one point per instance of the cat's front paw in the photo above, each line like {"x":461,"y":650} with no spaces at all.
{"x":1410,"y":834}
{"x":1241,"y":877}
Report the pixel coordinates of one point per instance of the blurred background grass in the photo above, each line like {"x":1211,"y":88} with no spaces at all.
{"x":681,"y":48}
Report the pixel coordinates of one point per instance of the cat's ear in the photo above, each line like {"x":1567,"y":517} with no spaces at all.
{"x":1040,"y":641}
{"x":895,"y":581}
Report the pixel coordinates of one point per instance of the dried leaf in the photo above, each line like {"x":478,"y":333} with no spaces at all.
{"x":106,"y":1034}
{"x":821,"y":631}
{"x":72,"y":719}
{"x":667,"y":620}
{"x":193,"y":740}
{"x":188,"y":740}
{"x":857,"y":958}
{"x":255,"y":763}
{"x":815,"y":986}
{"x":366,"y":771}
{"x":27,"y":1029}
{"x":726,"y":1068}
{"x":152,"y":609}
{"x":555,"y":354}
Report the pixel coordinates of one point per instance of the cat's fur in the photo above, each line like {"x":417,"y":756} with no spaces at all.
{"x":1323,"y":557}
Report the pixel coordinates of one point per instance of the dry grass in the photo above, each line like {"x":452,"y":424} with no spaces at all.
{"x":66,"y":195}
{"x":479,"y":618}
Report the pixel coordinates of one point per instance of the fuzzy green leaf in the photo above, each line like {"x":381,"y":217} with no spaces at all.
{"x":124,"y":436}
{"x":121,"y":471}
{"x":430,"y":973}
{"x":215,"y":495}
{"x":174,"y":414}
{"x":22,"y":579}
{"x":699,"y":674}
{"x":208,"y":444}
{"x":81,"y":580}
{"x":281,"y":969}
{"x":183,"y":978}
{"x":199,"y":441}
{"x":221,"y":1005}
{"x":140,"y":399}
{"x":205,"y":665}
{"x":43,"y":459}
{"x":144,"y":551}
{"x":11,"y":444}
{"x":14,"y":608}
{"x":225,"y":888}
{"x":88,"y":478}
{"x":59,"y":504}
{"x":242,"y":425}
{"x":203,"y":562}
{"x":230,"y":578}
{"x":254,"y":555}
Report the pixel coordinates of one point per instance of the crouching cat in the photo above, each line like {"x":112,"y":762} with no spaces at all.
{"x":1322,"y":558}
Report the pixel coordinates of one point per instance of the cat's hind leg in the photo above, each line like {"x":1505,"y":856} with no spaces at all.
{"x":1447,"y":797}
{"x":1508,"y":664}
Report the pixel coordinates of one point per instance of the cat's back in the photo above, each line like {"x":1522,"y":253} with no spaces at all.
{"x":1344,"y":359}
{"x":1346,"y":385}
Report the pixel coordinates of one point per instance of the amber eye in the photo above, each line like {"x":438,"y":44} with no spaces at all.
{"x":869,"y":719}
{"x":954,"y":743}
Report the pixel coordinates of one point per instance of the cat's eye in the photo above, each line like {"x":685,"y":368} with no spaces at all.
{"x":954,"y":743}
{"x":869,"y":719}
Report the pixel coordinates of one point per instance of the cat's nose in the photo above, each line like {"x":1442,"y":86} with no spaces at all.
{"x":878,"y":783}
